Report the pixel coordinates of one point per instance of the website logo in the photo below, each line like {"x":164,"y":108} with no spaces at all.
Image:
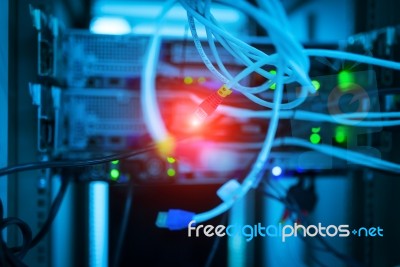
{"x":249,"y":232}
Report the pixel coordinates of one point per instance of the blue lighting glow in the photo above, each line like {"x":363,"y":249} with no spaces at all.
{"x":142,"y":17}
{"x":276,"y":171}
{"x":149,"y":10}
{"x":98,"y":224}
{"x":110,"y":25}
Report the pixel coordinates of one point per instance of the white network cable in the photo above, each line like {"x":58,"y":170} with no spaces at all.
{"x":285,"y":62}
{"x":341,"y":153}
{"x":149,"y":104}
{"x":291,"y":62}
{"x":351,"y":119}
{"x":295,"y":64}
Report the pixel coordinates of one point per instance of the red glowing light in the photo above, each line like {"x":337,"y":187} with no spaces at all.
{"x":195,"y":122}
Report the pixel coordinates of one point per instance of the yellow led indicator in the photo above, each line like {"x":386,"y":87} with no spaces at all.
{"x":201,"y":80}
{"x":166,"y":146}
{"x":171,"y":172}
{"x":188,"y":80}
{"x":171,"y":160}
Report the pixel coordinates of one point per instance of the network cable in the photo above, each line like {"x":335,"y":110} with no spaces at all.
{"x":254,"y":67}
{"x":14,"y":256}
{"x":291,"y":205}
{"x":358,"y":119}
{"x":210,"y":104}
{"x":182,"y":219}
{"x":291,"y":63}
{"x":293,"y":67}
{"x":150,"y":109}
{"x":341,"y":153}
{"x":124,"y":225}
{"x":73,"y":163}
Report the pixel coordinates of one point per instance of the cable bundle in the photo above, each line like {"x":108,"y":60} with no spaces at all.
{"x":295,"y":64}
{"x":291,"y":62}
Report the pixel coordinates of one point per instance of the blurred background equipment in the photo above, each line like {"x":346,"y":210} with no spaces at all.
{"x":103,"y":96}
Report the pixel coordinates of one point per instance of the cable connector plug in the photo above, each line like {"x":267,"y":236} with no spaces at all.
{"x":211,"y":103}
{"x":228,"y":190}
{"x":174,"y":219}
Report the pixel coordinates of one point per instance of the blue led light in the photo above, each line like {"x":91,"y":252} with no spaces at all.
{"x":276,"y":171}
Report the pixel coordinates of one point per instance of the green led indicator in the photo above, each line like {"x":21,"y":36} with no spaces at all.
{"x":114,"y":174}
{"x":315,"y":138}
{"x":345,"y":80}
{"x":316,"y":84}
{"x":340,"y":134}
{"x":273,"y":86}
{"x":315,"y":129}
{"x":171,"y":160}
{"x":115,"y":162}
{"x":171,"y":172}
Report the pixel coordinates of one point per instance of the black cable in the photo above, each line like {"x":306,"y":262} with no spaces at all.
{"x":8,"y":257}
{"x":294,"y":208}
{"x":215,"y":246}
{"x":292,"y":205}
{"x":13,"y":256}
{"x":65,"y":182}
{"x":22,"y":250}
{"x":2,"y":255}
{"x":80,"y":163}
{"x":282,"y":200}
{"x":124,"y":225}
{"x":73,"y":163}
{"x":55,"y":207}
